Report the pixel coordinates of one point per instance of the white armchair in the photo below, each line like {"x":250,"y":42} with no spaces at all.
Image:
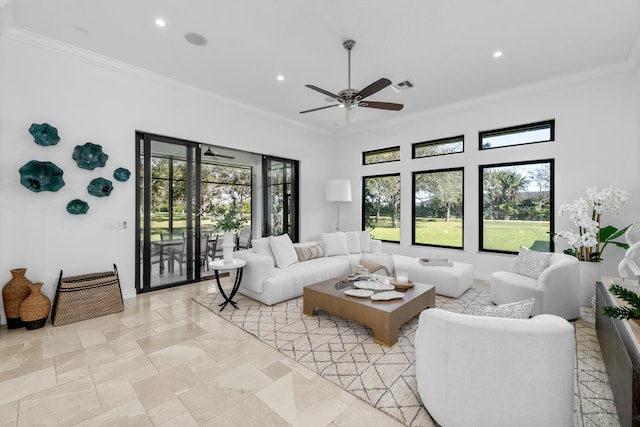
{"x":492,"y":371}
{"x":556,"y":290}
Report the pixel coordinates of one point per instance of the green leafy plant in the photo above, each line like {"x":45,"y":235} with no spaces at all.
{"x":627,"y":295}
{"x":224,"y":218}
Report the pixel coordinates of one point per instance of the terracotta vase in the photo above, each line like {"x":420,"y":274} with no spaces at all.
{"x":13,"y":293}
{"x":35,"y":309}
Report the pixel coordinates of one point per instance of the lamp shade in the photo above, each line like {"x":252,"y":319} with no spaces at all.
{"x":338,"y":190}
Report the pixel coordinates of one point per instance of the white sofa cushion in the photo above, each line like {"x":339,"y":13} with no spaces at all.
{"x":283,"y":250}
{"x":334,"y":243}
{"x":353,"y":242}
{"x":263,"y":247}
{"x":365,"y":241}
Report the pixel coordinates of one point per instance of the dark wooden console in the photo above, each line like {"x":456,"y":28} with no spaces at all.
{"x":621,"y":354}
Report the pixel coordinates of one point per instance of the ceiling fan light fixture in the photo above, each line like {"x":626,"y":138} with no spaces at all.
{"x":209,"y":152}
{"x":350,"y":113}
{"x":351,"y":98}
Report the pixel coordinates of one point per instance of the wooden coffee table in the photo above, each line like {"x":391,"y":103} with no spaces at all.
{"x":384,"y":317}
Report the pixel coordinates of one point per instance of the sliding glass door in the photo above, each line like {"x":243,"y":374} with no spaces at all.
{"x":280,"y":178}
{"x":169,"y":244}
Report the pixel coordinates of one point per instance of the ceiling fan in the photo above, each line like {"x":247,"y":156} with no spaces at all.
{"x":349,"y":98}
{"x":210,"y":153}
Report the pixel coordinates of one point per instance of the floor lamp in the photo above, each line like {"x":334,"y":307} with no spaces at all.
{"x":338,"y":190}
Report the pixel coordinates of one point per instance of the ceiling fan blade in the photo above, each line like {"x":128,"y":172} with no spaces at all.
{"x":382,"y":105}
{"x":316,"y":88}
{"x":374,"y":87}
{"x":319,"y":108}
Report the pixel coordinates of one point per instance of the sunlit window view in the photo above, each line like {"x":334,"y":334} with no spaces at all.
{"x":381,"y":206}
{"x":517,"y":206}
{"x":518,"y":135}
{"x":438,"y":147}
{"x":438,"y":208}
{"x":391,"y":154}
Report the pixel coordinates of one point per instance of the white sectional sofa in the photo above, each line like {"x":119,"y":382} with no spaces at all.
{"x":278,"y":270}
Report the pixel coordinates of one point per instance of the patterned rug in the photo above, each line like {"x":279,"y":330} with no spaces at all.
{"x":344,"y":352}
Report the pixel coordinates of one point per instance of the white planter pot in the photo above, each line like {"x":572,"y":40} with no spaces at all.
{"x":227,"y":247}
{"x":589,"y":275}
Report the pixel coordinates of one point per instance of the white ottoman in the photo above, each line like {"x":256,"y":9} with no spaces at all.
{"x":449,"y":281}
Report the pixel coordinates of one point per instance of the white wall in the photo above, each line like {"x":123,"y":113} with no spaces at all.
{"x":88,"y":98}
{"x":92,"y":99}
{"x":597,"y":143}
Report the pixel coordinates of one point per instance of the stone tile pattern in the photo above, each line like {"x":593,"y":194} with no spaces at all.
{"x":165,"y":361}
{"x":344,"y":352}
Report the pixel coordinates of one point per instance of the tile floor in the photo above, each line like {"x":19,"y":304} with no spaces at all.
{"x":164,"y":361}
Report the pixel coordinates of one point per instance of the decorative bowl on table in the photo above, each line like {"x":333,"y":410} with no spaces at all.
{"x":402,"y":287}
{"x":360,"y":293}
{"x":387,"y":296}
{"x":374,"y":286}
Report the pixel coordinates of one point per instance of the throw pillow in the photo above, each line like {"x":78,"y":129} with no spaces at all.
{"x":307,"y":252}
{"x":263,"y":247}
{"x":334,"y":243}
{"x":353,"y":242}
{"x":365,"y":241}
{"x":514,"y":310}
{"x":378,"y":263}
{"x":531,"y":263}
{"x":283,"y":250}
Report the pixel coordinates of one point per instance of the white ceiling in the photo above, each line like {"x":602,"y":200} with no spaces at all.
{"x":444,"y":47}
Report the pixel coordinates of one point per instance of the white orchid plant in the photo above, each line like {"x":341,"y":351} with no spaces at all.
{"x":585,"y":213}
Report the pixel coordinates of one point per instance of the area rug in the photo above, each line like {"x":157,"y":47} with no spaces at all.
{"x":344,"y":352}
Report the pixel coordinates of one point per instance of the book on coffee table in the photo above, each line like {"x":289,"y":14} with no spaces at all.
{"x":436,"y":262}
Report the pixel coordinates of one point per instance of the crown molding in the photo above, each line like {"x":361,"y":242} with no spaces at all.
{"x":36,"y":40}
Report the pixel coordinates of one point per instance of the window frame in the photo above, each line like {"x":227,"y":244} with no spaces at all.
{"x":551,"y":190}
{"x":363,"y":204}
{"x":380,"y":151}
{"x":517,"y":129}
{"x":413,"y":208}
{"x":440,"y":141}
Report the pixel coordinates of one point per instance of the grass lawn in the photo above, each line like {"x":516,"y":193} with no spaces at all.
{"x":439,"y":232}
{"x":160,"y":224}
{"x":510,"y":235}
{"x":498,"y":235}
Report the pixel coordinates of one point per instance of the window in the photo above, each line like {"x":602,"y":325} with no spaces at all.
{"x":517,"y":135}
{"x":225,"y":185}
{"x":516,"y":206}
{"x":438,"y":208}
{"x":391,"y":154}
{"x":381,"y":206}
{"x":438,"y":147}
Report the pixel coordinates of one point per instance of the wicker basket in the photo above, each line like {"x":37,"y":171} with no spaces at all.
{"x":86,"y":297}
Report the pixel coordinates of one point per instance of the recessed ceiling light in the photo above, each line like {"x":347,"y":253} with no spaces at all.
{"x":280,"y":77}
{"x":497,"y":54}
{"x":196,"y":39}
{"x":160,"y":22}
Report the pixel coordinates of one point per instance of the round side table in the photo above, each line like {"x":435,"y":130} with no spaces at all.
{"x":219,"y":265}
